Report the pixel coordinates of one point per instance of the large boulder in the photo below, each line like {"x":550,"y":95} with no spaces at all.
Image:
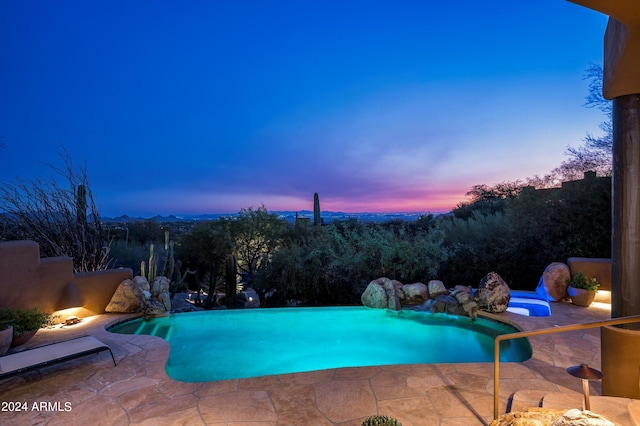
{"x":415,"y":294}
{"x":375,"y":296}
{"x":576,"y":417}
{"x":142,"y":282}
{"x":493,"y":294}
{"x":154,"y":308}
{"x":554,"y":281}
{"x":165,"y":299}
{"x":464,"y":297}
{"x":394,"y":301}
{"x":128,"y":298}
{"x":436,"y":287}
{"x":160,"y":284}
{"x":383,"y":293}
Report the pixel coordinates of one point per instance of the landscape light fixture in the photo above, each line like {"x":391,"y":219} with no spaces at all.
{"x":586,"y":373}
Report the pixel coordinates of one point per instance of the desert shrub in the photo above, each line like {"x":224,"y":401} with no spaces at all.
{"x":477,"y":245}
{"x":59,"y":213}
{"x":333,"y":264}
{"x":533,"y":229}
{"x":378,"y":420}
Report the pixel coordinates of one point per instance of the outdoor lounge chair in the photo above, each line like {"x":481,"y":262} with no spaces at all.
{"x":54,"y":353}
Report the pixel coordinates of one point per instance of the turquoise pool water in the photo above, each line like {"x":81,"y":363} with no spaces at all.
{"x":234,"y":344}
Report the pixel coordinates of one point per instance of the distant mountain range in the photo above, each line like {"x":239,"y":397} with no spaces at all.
{"x":288,"y":215}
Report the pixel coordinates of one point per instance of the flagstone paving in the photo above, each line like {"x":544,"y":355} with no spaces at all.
{"x":91,"y":391}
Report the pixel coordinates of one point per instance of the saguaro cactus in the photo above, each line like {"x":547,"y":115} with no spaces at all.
{"x":81,"y":205}
{"x":231,"y":272}
{"x":150,"y":270}
{"x":316,"y":209}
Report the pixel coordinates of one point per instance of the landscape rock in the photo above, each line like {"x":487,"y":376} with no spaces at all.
{"x":154,"y":308}
{"x":159,"y":285}
{"x":375,"y":296}
{"x":415,"y":294}
{"x":165,"y":299}
{"x":436,"y":287}
{"x":470,"y":309}
{"x":128,"y":298}
{"x":142,"y":282}
{"x":575,"y":417}
{"x":535,"y":416}
{"x":394,"y":301}
{"x":493,"y":294}
{"x":553,"y":282}
{"x":444,"y":303}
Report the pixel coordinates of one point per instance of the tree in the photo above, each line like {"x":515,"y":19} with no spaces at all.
{"x":55,"y":216}
{"x":206,"y":245}
{"x":596,"y":152}
{"x":256,"y":235}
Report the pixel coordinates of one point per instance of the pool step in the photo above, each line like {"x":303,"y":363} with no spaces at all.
{"x":151,"y":329}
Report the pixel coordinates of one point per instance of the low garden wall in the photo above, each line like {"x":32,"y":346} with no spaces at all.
{"x":49,"y":283}
{"x":592,"y":267}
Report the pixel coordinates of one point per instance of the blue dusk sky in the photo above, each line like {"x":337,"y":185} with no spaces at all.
{"x":189,"y":107}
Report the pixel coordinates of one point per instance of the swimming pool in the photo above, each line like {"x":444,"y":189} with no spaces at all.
{"x":235,"y":344}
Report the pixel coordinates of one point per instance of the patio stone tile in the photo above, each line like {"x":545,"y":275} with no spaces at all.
{"x":448,"y":400}
{"x":307,"y":416}
{"x":389,"y":378}
{"x":634,"y":412}
{"x":188,"y":417}
{"x":343,"y":400}
{"x":266,"y":382}
{"x":356,"y":373}
{"x":513,"y":370}
{"x":292,"y":397}
{"x":84,"y":413}
{"x":176,"y":388}
{"x":395,"y":392}
{"x":123,"y":371}
{"x":509,"y":386}
{"x":469,"y":381}
{"x":308,"y":377}
{"x":426,"y":383}
{"x":478,"y":401}
{"x":149,"y":402}
{"x":240,"y":406}
{"x":216,"y":388}
{"x":417,"y":370}
{"x":415,"y":411}
{"x":122,"y":387}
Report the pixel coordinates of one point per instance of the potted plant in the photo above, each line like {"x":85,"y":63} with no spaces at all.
{"x":25,"y":322}
{"x":582,"y":290}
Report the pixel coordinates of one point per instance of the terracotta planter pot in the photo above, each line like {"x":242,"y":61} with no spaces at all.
{"x":6,"y":337}
{"x":23,"y":338}
{"x":580,"y":296}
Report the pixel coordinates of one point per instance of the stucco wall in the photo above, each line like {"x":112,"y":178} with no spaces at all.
{"x":26,"y":281}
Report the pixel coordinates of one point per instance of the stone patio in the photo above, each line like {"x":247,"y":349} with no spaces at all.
{"x":138,"y":391}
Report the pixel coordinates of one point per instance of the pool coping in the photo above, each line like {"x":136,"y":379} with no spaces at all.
{"x":138,"y":391}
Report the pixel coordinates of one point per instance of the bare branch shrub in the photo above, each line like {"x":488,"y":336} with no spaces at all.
{"x":55,"y":215}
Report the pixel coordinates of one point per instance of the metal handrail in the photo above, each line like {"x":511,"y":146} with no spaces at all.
{"x":560,"y":329}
